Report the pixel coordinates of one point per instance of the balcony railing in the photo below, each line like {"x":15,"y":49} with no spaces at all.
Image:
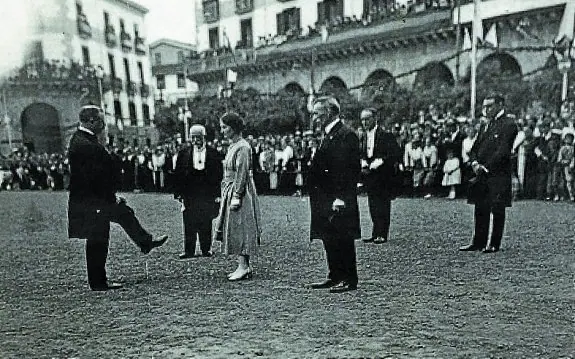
{"x":244,"y":6}
{"x":348,"y":33}
{"x":111,"y":37}
{"x":132,"y":88}
{"x":84,"y":28}
{"x":126,"y":40}
{"x":144,"y":90}
{"x":140,"y":46}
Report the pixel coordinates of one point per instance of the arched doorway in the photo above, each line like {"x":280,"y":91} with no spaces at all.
{"x":293,"y":89}
{"x":378,"y":81}
{"x":41,"y":128}
{"x":433,"y":75}
{"x":497,"y":65}
{"x":334,"y":86}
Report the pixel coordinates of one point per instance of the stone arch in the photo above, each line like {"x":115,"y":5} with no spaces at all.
{"x":41,"y":128}
{"x":293,"y":89}
{"x":333,"y":85}
{"x":499,"y":64}
{"x":376,"y":82}
{"x":432,"y":75}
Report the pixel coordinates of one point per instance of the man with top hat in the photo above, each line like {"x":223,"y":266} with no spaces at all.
{"x":197,"y":180}
{"x":93,"y":204}
{"x":332,"y":182}
{"x":380,"y":156}
{"x":490,"y":189}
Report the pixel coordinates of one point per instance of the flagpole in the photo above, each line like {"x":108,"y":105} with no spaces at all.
{"x":474,"y":58}
{"x":458,"y":42}
{"x":187,"y":108}
{"x":8,"y":121}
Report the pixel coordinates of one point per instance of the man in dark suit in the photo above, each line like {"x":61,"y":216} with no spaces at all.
{"x":333,"y":176}
{"x":198,"y":177}
{"x":92,"y":204}
{"x":380,"y":156}
{"x":490,"y":190}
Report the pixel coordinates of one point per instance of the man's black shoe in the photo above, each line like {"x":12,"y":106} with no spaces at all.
{"x":147,"y":248}
{"x":470,"y":248}
{"x":323,"y":285}
{"x":343,"y":287}
{"x":106,"y":287}
{"x":490,"y":249}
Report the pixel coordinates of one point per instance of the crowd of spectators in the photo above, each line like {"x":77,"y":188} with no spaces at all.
{"x":436,"y":149}
{"x":380,"y":12}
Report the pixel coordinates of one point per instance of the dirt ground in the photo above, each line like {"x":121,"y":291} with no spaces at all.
{"x":418,"y":297}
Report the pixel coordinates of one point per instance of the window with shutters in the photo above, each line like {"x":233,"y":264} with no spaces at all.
{"x":211,"y":10}
{"x":161,"y":82}
{"x":244,"y":6}
{"x":329,"y":10}
{"x":132,"y":109}
{"x":214,"y":38}
{"x":247,"y":37}
{"x":289,"y":21}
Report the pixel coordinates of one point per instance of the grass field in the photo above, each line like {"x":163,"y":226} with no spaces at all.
{"x":418,"y":297}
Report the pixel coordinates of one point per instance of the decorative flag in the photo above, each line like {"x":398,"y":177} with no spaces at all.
{"x":564,"y":39}
{"x":491,"y":36}
{"x":227,"y":43}
{"x":466,"y":40}
{"x":232,"y":76}
{"x":324,"y":34}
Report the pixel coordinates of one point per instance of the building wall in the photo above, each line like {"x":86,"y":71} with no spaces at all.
{"x":60,"y":40}
{"x":169,"y":54}
{"x":264,"y":21}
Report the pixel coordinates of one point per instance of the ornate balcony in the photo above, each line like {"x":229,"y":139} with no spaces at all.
{"x":111,"y":37}
{"x":144,"y":90}
{"x":84,"y":28}
{"x":132,"y":88}
{"x":211,"y":9}
{"x":140,"y":46}
{"x":126,"y":41}
{"x":244,"y":6}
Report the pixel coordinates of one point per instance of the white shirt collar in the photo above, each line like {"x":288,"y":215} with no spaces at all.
{"x":82,"y":128}
{"x":500,"y":114}
{"x":372,"y":131}
{"x":330,"y":126}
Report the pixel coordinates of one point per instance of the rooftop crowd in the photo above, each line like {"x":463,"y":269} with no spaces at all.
{"x":435,"y":161}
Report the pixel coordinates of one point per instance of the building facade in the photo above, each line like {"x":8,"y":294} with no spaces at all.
{"x":358,"y":45}
{"x":108,"y":35}
{"x":170,"y":82}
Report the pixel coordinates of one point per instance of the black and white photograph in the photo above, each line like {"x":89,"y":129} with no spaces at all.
{"x":322,"y":179}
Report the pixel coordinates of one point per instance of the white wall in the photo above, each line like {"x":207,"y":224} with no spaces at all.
{"x":94,"y":10}
{"x":263,"y":18}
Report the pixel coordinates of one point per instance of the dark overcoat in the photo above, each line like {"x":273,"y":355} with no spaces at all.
{"x":334,"y":174}
{"x":385,"y":180}
{"x":492,"y":149}
{"x":199,"y":189}
{"x":94,"y":180}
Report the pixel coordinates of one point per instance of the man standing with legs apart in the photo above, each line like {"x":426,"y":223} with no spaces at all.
{"x":198,"y":178}
{"x":93,"y":203}
{"x":380,"y":156}
{"x":490,"y":189}
{"x":333,"y":177}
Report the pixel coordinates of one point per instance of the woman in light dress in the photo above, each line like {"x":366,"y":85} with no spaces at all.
{"x":238,"y":223}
